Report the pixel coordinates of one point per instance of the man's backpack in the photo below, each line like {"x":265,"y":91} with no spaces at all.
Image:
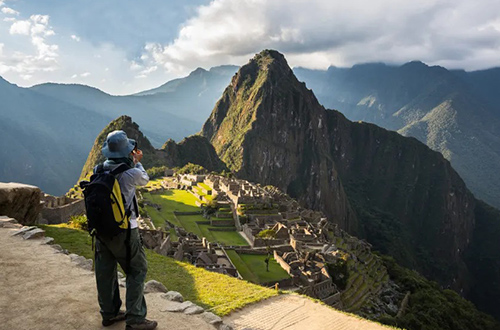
{"x":105,"y":203}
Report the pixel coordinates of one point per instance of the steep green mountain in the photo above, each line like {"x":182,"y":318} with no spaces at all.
{"x":44,"y":140}
{"x":193,"y":149}
{"x":394,"y":191}
{"x":453,"y":112}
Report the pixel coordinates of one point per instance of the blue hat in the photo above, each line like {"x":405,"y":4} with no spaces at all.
{"x":117,"y":145}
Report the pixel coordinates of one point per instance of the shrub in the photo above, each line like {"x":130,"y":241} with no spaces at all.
{"x":156,"y":172}
{"x":190,"y":168}
{"x":78,"y":222}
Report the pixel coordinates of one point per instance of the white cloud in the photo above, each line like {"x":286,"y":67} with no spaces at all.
{"x":44,"y":58}
{"x":20,"y":27}
{"x":85,"y":74}
{"x":9,"y":19}
{"x":74,"y":76}
{"x":76,"y":38}
{"x":320,"y":33}
{"x":9,"y":11}
{"x":134,"y":66}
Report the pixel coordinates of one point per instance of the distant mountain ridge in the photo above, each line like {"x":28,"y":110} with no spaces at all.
{"x":454,"y":112}
{"x":63,"y":120}
{"x":44,"y":140}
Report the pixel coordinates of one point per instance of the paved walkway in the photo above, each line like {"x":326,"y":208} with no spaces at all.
{"x":293,"y":312}
{"x":41,"y":289}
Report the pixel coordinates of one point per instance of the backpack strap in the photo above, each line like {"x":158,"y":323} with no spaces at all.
{"x":120,"y":169}
{"x":99,"y":168}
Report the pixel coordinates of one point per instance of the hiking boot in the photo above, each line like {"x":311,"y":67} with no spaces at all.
{"x":119,"y":317}
{"x":143,"y":325}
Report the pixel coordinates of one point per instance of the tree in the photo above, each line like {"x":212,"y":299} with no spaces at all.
{"x":267,"y":235}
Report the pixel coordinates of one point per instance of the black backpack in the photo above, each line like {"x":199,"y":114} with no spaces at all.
{"x":105,"y":203}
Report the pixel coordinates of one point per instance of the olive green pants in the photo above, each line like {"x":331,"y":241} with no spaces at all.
{"x":108,"y":253}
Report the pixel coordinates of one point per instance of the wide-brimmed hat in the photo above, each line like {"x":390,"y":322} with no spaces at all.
{"x":118,"y":145}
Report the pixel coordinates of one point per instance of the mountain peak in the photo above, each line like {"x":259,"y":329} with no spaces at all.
{"x":126,"y":124}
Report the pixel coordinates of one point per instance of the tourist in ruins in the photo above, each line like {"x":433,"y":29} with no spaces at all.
{"x":119,"y":149}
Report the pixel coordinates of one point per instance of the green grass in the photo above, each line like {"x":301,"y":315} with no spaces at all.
{"x":258,"y":266}
{"x":253,"y":268}
{"x":242,"y":267}
{"x":183,"y":201}
{"x":201,"y":184}
{"x":229,"y":238}
{"x":218,"y":292}
{"x":153,"y":184}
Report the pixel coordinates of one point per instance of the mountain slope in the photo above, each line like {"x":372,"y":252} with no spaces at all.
{"x":193,"y":149}
{"x":453,"y":112}
{"x":407,"y":199}
{"x":159,"y":123}
{"x":44,"y":140}
{"x":172,"y":111}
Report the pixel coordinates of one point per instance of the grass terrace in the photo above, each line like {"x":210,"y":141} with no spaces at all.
{"x":221,"y":293}
{"x":184,"y":201}
{"x":252,"y":268}
{"x":154,"y":184}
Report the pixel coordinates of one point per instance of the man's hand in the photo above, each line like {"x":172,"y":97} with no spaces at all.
{"x":137,"y":156}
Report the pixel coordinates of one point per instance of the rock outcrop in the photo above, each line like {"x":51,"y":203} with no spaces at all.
{"x":403,"y":197}
{"x":20,"y":201}
{"x":193,"y":149}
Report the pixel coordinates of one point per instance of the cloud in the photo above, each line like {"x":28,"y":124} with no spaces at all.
{"x":44,"y":58}
{"x":76,"y":38}
{"x":20,"y":27}
{"x":9,"y":11}
{"x":317,"y":33}
{"x":85,"y":74}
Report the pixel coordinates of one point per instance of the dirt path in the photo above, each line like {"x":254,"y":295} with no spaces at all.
{"x":41,"y":289}
{"x":292,"y":312}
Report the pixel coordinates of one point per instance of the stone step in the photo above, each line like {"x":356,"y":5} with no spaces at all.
{"x":8,"y":222}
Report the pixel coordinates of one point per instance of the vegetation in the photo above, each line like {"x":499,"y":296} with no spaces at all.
{"x":483,"y":259}
{"x":267,"y":235}
{"x":190,"y":168}
{"x":339,"y":271}
{"x":156,"y":172}
{"x":78,"y":222}
{"x":218,"y":292}
{"x":183,"y":201}
{"x":250,"y":267}
{"x":429,"y":307}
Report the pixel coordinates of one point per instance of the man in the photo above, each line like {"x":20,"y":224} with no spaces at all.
{"x":119,"y":149}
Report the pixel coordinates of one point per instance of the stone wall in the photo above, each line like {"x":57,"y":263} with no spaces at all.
{"x":20,"y":201}
{"x":62,"y":214}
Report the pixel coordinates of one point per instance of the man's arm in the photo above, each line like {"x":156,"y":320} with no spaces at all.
{"x":138,"y":175}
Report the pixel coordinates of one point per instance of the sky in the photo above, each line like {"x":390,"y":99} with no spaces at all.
{"x":126,"y":46}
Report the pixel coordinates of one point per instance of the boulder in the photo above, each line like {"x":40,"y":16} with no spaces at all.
{"x":173,"y":296}
{"x":195,"y":309}
{"x":154,"y":286}
{"x":20,"y":201}
{"x":23,"y":230}
{"x":177,"y":307}
{"x":48,"y":240}
{"x":224,"y":326}
{"x":211,"y":318}
{"x":35,"y":233}
{"x":7,"y":222}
